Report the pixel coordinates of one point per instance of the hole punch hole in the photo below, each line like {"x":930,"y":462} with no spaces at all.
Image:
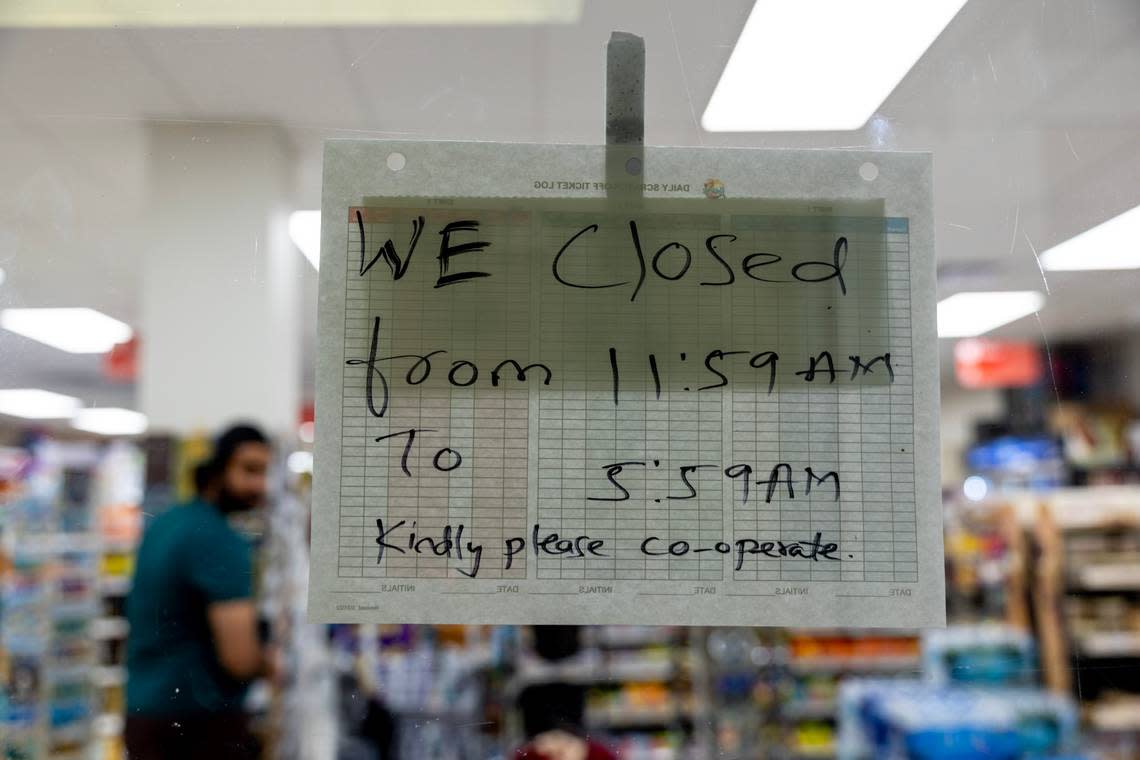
{"x":633,"y":166}
{"x":869,"y":172}
{"x":397,"y":161}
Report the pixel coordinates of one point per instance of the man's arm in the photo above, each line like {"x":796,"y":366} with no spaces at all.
{"x":233,"y":624}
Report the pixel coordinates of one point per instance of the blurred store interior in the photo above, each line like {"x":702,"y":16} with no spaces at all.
{"x":161,"y":178}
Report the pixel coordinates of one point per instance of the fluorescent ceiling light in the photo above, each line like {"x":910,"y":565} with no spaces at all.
{"x":34,"y":404}
{"x":1114,"y":244}
{"x":110,"y":421}
{"x":78,"y":331}
{"x":305,"y":231}
{"x":100,"y":13}
{"x":965,"y":315}
{"x":803,"y":65}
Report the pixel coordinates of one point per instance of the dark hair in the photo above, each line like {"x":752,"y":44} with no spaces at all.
{"x":227,"y":445}
{"x":202,"y":473}
{"x":552,"y":707}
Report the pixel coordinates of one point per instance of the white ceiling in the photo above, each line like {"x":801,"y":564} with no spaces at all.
{"x":1031,"y":108}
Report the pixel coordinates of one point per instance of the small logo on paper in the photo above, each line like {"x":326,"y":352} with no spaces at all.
{"x":714,"y":189}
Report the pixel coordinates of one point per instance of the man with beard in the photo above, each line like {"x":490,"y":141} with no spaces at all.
{"x":193,"y":646}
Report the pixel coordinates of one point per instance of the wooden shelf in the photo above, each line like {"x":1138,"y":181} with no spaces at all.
{"x":1109,"y":644}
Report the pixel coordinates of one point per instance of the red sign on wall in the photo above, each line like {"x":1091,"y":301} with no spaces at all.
{"x":981,"y":363}
{"x":121,"y":363}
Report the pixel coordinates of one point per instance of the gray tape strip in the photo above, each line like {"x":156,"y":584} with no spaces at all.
{"x":625,"y":89}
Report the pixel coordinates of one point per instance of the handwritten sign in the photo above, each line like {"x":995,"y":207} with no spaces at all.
{"x":712,"y":401}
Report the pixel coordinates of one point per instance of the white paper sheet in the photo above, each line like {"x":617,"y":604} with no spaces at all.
{"x":705,"y":393}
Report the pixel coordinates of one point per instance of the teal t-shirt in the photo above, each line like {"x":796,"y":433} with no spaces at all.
{"x":190,"y":557}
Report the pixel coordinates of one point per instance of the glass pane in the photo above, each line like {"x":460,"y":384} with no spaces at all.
{"x":160,"y":257}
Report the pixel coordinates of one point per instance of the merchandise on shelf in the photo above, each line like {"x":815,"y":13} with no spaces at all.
{"x":48,"y":597}
{"x":62,"y":639}
{"x":980,"y":655}
{"x":914,"y":720}
{"x":1013,"y":462}
{"x":1095,"y":441}
{"x":852,"y":652}
{"x":986,"y":564}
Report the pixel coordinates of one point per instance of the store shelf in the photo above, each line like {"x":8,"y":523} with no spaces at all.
{"x":1079,"y":508}
{"x":108,"y":628}
{"x":809,"y":709}
{"x":1108,"y":577}
{"x":812,"y":752}
{"x":1109,"y":644}
{"x":653,"y":669}
{"x":77,"y":754}
{"x":590,"y":672}
{"x":107,"y":725}
{"x":68,"y":670}
{"x":84,"y":609}
{"x":114,"y":585}
{"x":117,"y":546}
{"x":57,"y":543}
{"x":636,"y":717}
{"x":616,"y":637}
{"x":1116,"y":715}
{"x":657,"y":753}
{"x":565,"y":671}
{"x":105,"y":676}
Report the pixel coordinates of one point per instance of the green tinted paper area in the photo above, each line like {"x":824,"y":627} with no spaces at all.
{"x":667,"y":277}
